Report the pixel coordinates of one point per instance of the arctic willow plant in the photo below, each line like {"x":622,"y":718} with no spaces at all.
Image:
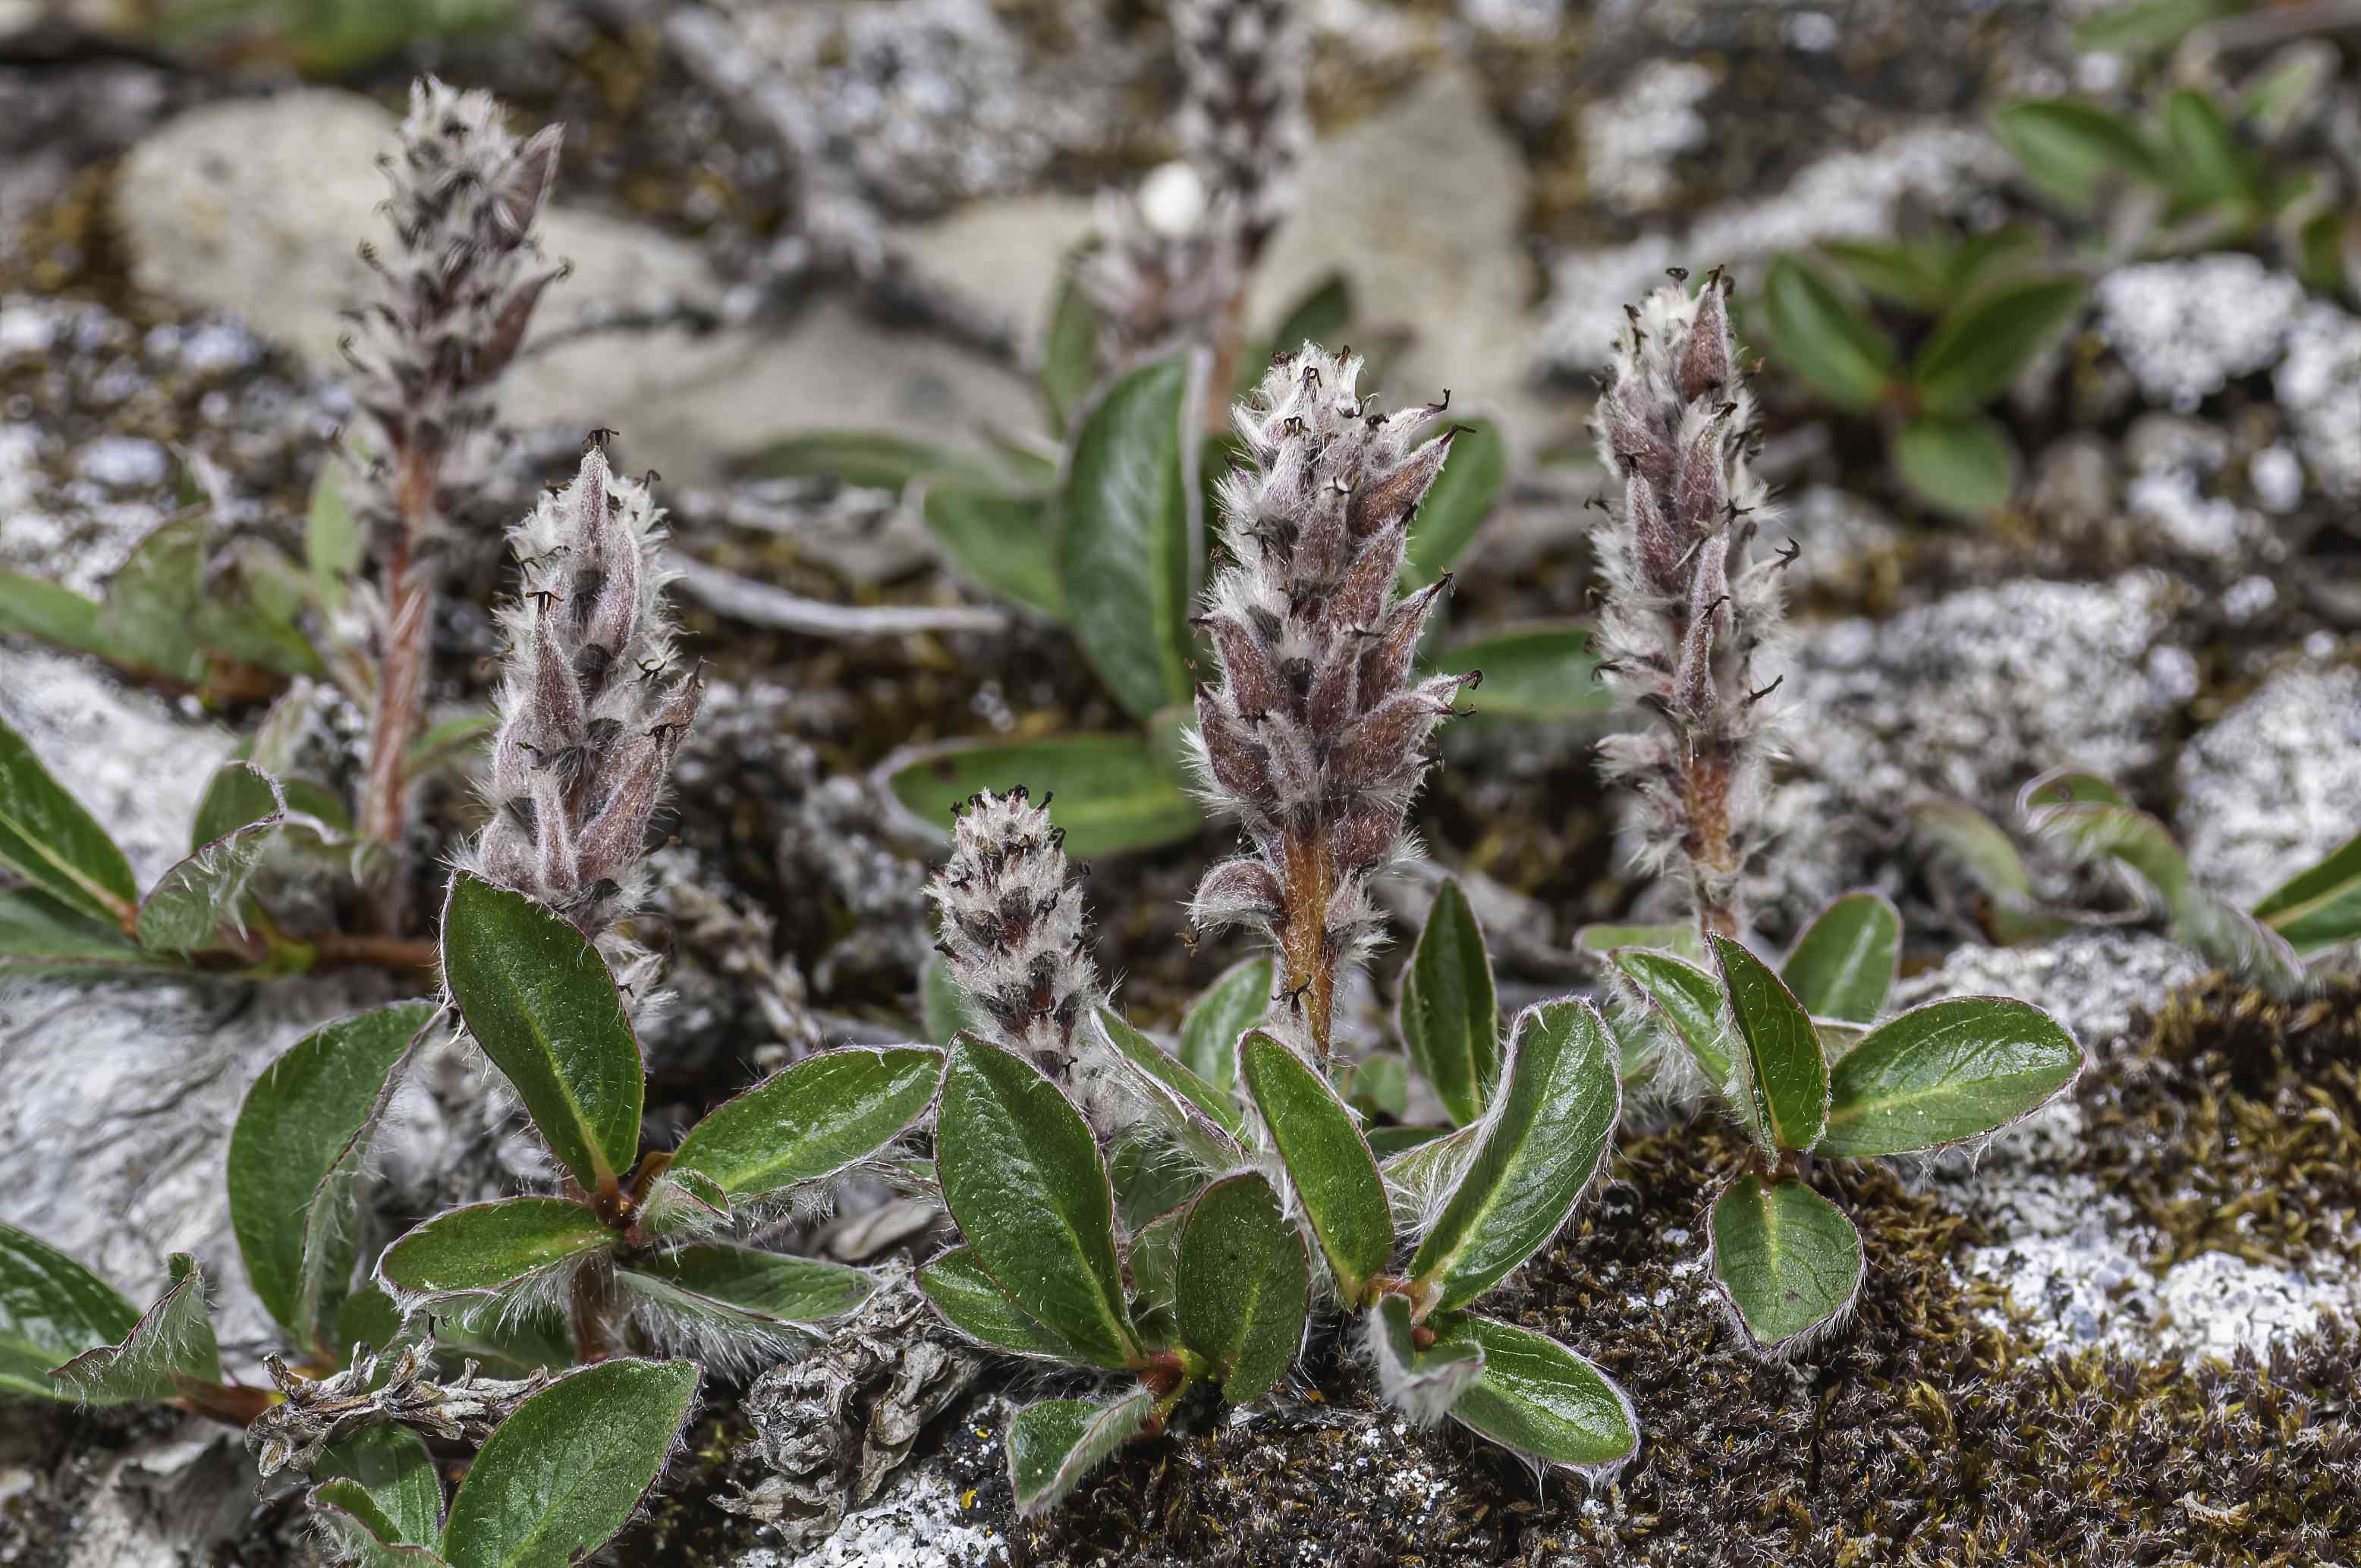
{"x":1797,"y":1054}
{"x":1242,"y":1194}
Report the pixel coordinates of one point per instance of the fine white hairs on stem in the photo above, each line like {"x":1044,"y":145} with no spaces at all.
{"x":1014,"y":931}
{"x":1689,"y":610}
{"x":1315,"y":736}
{"x":591,"y":711}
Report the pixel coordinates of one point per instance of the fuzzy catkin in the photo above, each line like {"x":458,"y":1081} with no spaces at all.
{"x":591,"y":710}
{"x":1242,"y":119}
{"x":1014,"y":933}
{"x":1314,"y":738}
{"x":1687,"y":610}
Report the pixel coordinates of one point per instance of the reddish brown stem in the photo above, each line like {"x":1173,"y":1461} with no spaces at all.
{"x":1309,"y":879}
{"x":1705,"y":781}
{"x":336,"y":951}
{"x":592,"y":1311}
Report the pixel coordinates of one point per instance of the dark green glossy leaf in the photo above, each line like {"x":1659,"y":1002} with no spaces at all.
{"x":51,"y":1311}
{"x":1947,"y":1073}
{"x":564,"y":1471}
{"x":1423,"y":1384}
{"x":1006,"y":542}
{"x":491,"y":1248}
{"x":1450,"y":1014}
{"x":1825,"y":339}
{"x":48,"y":838}
{"x":1334,"y":1176}
{"x":39,"y":935}
{"x":1538,"y":672}
{"x":171,"y":1347}
{"x":811,"y":1120}
{"x":1457,"y":504}
{"x":395,"y":1473}
{"x":1788,"y":1260}
{"x":1977,"y":354}
{"x":871,"y":460}
{"x":1689,"y":1000}
{"x":1056,"y":1443}
{"x":1542,"y":1146}
{"x":2071,"y":149}
{"x":743,"y":1287}
{"x":1790,"y":1075}
{"x":295,"y":1159}
{"x":1537,"y":1398}
{"x":1113,"y":794}
{"x":1242,"y":1286}
{"x":1129,"y":543}
{"x":1844,"y":963}
{"x":973,"y":1303}
{"x":1023,"y":1179}
{"x":1234,"y":1003}
{"x":538,"y":998}
{"x":1964,"y":466}
{"x":1070,"y":354}
{"x":2320,"y":907}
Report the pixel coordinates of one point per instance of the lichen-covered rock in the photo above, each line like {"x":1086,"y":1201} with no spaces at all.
{"x":2275,"y":783}
{"x":2187,"y":329}
{"x":2095,"y":983}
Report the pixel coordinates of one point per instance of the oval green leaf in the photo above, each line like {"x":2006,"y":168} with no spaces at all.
{"x":1543,"y":672}
{"x":538,"y":998}
{"x":295,"y":1158}
{"x":1242,"y":1286}
{"x":1023,"y":1179}
{"x":2320,"y":907}
{"x":1168,"y":1080}
{"x":1457,"y":504}
{"x":1823,"y":338}
{"x":1234,"y":1003}
{"x":1130,"y":542}
{"x":1947,"y":1073}
{"x":567,"y":1469}
{"x":1542,"y":1146}
{"x":2207,"y":161}
{"x":1976,"y":354}
{"x":1335,"y":1175}
{"x":745,"y":1287}
{"x":490,"y":1248}
{"x":48,"y":840}
{"x":1113,"y":794}
{"x":1006,"y":542}
{"x":1537,"y":1398}
{"x":971,"y":1302}
{"x":2070,"y":149}
{"x":873,"y":460}
{"x":51,"y":1311}
{"x":1056,"y":1443}
{"x":391,"y":1469}
{"x":813,"y":1119}
{"x":1843,"y":964}
{"x":1965,"y":466}
{"x":1791,"y":1076}
{"x":1450,"y":1014}
{"x":1688,"y":1000}
{"x":1787,"y":1259}
{"x":39,"y":935}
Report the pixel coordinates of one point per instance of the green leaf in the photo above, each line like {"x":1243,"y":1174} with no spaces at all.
{"x":564,"y":1471}
{"x":1320,"y":316}
{"x":873,"y":460}
{"x":48,"y":840}
{"x":1786,"y":1257}
{"x":1113,"y":795}
{"x":1006,"y":542}
{"x":39,"y":935}
{"x":824,"y":1113}
{"x":1976,"y":354}
{"x":971,"y":1302}
{"x":240,"y":794}
{"x":1070,"y":354}
{"x":1543,"y":1143}
{"x":1023,"y":1179}
{"x":1458,"y":501}
{"x":1378,"y":1086}
{"x":396,"y":1476}
{"x":1838,"y":351}
{"x":171,"y":1347}
{"x":2207,"y":161}
{"x":743,"y":1287}
{"x":445,"y":742}
{"x":1689,"y":1000}
{"x":1152,"y":1261}
{"x":2142,"y":27}
{"x":942,"y":1008}
{"x":359,"y":1532}
{"x":1899,"y":273}
{"x":1947,"y":1073}
{"x":1540,"y":1400}
{"x":1149,"y":1180}
{"x":1450,"y":1014}
{"x":1541,"y":672}
{"x":491,"y":1248}
{"x":1419,"y":1176}
{"x":1335,"y":1175}
{"x":1965,"y":466}
{"x":51,"y":1311}
{"x":295,"y":1158}
{"x":2320,"y":907}
{"x":33,"y":607}
{"x":1234,"y":1003}
{"x":1130,"y":540}
{"x":538,"y":998}
{"x":1681,"y":940}
{"x":200,"y":899}
{"x":1056,"y":1443}
{"x":333,"y":546}
{"x":1166,"y":1080}
{"x":2070,"y":150}
{"x":1423,"y":1384}
{"x":1791,"y":1076}
{"x":1844,"y":963}
{"x":519,"y":1337}
{"x":1242,"y":1286}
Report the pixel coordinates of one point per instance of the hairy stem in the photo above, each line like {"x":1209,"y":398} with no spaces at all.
{"x":1308,"y":882}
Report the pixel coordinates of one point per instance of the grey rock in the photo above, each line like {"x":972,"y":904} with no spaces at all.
{"x":2274,"y":784}
{"x":2177,"y":464}
{"x":2186,"y":329}
{"x":170,"y":1491}
{"x":2319,"y":386}
{"x":2095,"y":983}
{"x":1003,"y":255}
